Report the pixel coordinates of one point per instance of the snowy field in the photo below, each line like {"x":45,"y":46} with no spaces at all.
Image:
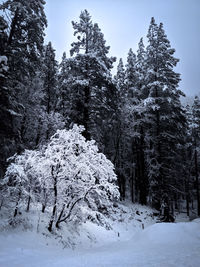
{"x":161,"y":244}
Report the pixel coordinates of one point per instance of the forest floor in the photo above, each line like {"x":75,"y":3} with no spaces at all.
{"x":158,"y":244}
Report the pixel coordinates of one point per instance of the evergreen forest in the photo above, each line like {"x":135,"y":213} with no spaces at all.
{"x":73,"y":131}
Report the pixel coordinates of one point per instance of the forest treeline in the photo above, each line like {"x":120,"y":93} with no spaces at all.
{"x":135,"y":117}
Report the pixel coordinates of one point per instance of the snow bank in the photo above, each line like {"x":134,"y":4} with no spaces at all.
{"x":122,"y":222}
{"x":126,"y":244}
{"x":171,"y":233}
{"x":161,"y":245}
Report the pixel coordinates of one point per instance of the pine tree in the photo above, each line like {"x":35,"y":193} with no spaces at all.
{"x":6,"y":131}
{"x":140,"y":67}
{"x":140,"y":130}
{"x":22,"y":45}
{"x":165,"y":118}
{"x":31,"y":127}
{"x":90,"y":79}
{"x":118,"y":150}
{"x":50,"y":77}
{"x":63,"y":99}
{"x":196,"y":141}
{"x":120,"y":78}
{"x":25,"y":35}
{"x":131,"y":75}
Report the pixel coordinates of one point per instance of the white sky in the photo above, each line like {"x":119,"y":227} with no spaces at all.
{"x":124,"y":22}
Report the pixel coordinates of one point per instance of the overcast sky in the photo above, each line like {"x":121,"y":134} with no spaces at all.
{"x":124,"y":22}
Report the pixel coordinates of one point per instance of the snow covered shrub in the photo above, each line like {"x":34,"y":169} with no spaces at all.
{"x":77,"y":174}
{"x":70,"y":174}
{"x":20,"y":184}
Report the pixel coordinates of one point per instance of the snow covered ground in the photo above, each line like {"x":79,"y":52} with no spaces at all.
{"x":161,"y":244}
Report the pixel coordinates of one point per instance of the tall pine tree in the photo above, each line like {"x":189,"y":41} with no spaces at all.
{"x":22,"y":45}
{"x":165,"y":118}
{"x":90,"y":80}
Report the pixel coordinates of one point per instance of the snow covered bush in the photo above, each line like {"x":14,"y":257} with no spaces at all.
{"x":20,"y":184}
{"x":70,"y":175}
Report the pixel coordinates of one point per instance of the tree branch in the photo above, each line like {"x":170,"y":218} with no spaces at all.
{"x":73,"y":205}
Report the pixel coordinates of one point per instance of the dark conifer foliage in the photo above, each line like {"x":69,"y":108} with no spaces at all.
{"x":6,"y":130}
{"x":165,"y":120}
{"x":89,"y":78}
{"x":50,"y":78}
{"x":195,"y":128}
{"x":22,"y":45}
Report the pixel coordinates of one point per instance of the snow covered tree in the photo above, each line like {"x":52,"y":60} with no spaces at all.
{"x":134,"y":161}
{"x":79,"y":174}
{"x":195,"y":127}
{"x":31,"y":127}
{"x":64,"y":87}
{"x":165,"y":120}
{"x":140,"y":67}
{"x":20,"y":183}
{"x":26,"y":31}
{"x":138,"y":113}
{"x":75,"y":176}
{"x":136,"y":118}
{"x":50,"y":78}
{"x":50,"y":88}
{"x":131,"y":74}
{"x":90,"y":78}
{"x":22,"y":45}
{"x":36,"y":121}
{"x":120,"y":78}
{"x":118,"y":134}
{"x":6,"y":105}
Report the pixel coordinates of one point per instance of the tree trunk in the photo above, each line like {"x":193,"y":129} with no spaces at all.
{"x":23,"y":128}
{"x":188,"y":205}
{"x":48,"y":109}
{"x":55,"y":200}
{"x":12,"y":28}
{"x":70,"y":210}
{"x":172,"y":207}
{"x":17,"y":204}
{"x":1,"y":202}
{"x":45,"y":198}
{"x":28,"y":204}
{"x":197,"y":179}
{"x":187,"y":196}
{"x":43,"y":208}
{"x":37,"y":140}
{"x":60,"y":216}
{"x":143,"y":177}
{"x":86,"y":133}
